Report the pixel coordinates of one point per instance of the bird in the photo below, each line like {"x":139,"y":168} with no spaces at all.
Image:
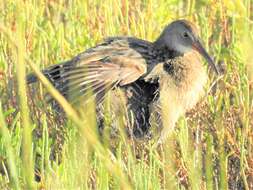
{"x":151,"y":84}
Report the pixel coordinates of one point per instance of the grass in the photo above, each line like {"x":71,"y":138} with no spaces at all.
{"x":211,"y":147}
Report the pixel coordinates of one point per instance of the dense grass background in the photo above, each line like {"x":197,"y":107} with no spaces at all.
{"x":211,"y":147}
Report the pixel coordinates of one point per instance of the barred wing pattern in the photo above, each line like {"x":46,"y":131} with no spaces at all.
{"x":98,"y":69}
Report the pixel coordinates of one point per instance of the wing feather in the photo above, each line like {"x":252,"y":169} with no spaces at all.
{"x":98,"y":70}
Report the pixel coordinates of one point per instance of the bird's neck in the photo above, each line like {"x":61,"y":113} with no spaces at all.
{"x":184,"y":80}
{"x":164,"y":53}
{"x":185,"y":70}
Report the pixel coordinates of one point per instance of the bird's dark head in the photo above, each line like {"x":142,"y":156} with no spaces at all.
{"x":182,"y":36}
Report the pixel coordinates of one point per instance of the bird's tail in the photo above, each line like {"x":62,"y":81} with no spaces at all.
{"x":56,"y":74}
{"x":53,"y":73}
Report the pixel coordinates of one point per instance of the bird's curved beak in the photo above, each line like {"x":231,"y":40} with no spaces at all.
{"x":199,"y":48}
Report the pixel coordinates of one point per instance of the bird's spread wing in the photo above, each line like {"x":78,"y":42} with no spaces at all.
{"x":96,"y":71}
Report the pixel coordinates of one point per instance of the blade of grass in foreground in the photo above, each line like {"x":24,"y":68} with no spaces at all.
{"x":5,"y":135}
{"x":85,"y":131}
{"x":27,"y":161}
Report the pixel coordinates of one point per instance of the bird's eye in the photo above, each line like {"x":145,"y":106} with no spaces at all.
{"x":185,"y":34}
